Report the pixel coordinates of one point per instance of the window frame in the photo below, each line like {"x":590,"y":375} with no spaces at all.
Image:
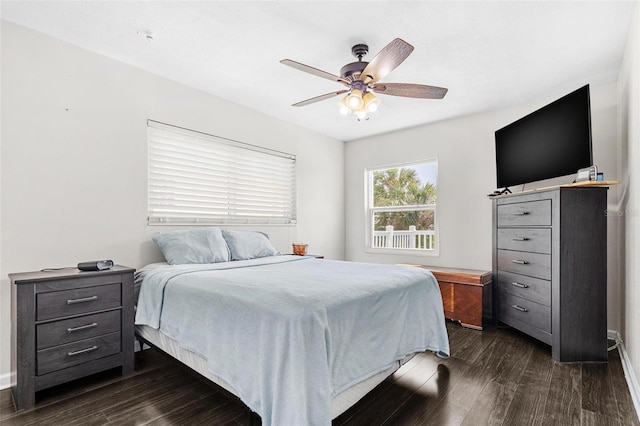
{"x":370,"y":211}
{"x":198,"y":179}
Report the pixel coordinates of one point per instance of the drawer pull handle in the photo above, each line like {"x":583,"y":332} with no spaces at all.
{"x":82,"y":327}
{"x":521,"y":239}
{"x":521,"y":213}
{"x":82,"y":300}
{"x":519,"y":308}
{"x":520,"y":262}
{"x":520,"y":285}
{"x":83,"y":351}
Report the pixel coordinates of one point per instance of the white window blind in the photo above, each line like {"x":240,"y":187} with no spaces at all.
{"x":196,"y":178}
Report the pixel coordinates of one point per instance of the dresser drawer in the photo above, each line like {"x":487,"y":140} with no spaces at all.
{"x":534,"y":213}
{"x":63,"y":356}
{"x":57,"y":304}
{"x":66,"y":331}
{"x":535,"y":314}
{"x":530,"y":264}
{"x":525,"y":239}
{"x":529,"y":288}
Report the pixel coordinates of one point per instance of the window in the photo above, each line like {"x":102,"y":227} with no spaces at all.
{"x":401,"y":208}
{"x":196,"y":178}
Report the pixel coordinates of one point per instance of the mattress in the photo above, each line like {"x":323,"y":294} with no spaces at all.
{"x":198,"y":363}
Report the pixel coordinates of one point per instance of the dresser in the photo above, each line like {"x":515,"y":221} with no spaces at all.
{"x":68,"y":324}
{"x":550,"y":268}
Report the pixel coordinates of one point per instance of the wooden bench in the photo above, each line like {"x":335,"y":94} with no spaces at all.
{"x":466,"y":295}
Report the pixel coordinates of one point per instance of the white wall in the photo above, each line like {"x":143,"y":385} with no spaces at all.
{"x":73,"y":161}
{"x":629,"y":161}
{"x":465,"y":151}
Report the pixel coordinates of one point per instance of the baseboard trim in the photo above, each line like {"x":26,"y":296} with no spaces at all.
{"x":629,"y":375}
{"x":5,"y":381}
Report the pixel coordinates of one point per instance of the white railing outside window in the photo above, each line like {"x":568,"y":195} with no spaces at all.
{"x":411,"y":239}
{"x":197,"y":178}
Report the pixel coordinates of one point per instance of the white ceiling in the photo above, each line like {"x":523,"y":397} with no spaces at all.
{"x":489,"y":54}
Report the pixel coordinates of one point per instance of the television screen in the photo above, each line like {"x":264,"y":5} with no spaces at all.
{"x":551,"y":142}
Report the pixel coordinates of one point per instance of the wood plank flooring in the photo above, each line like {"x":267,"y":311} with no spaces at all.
{"x":493,"y":377}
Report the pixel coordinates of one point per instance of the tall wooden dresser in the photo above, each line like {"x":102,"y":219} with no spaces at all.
{"x":68,"y":324}
{"x":550,"y":268}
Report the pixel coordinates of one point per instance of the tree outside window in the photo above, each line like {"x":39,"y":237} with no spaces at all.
{"x":402,"y":207}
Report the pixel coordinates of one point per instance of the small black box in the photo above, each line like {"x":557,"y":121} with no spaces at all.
{"x":96,"y":265}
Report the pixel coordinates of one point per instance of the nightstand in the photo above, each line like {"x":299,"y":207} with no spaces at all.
{"x":68,"y":324}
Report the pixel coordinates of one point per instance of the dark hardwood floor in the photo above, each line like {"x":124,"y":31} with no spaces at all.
{"x":494,"y":377}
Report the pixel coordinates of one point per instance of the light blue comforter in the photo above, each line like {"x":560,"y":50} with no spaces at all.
{"x":288,"y":332}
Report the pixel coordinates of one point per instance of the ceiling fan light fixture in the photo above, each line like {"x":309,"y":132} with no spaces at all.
{"x":343,"y":107}
{"x":354,"y":99}
{"x":371,"y":103}
{"x":359,"y":102}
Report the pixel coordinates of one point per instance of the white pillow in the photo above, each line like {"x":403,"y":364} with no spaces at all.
{"x":201,"y":245}
{"x":245,"y":245}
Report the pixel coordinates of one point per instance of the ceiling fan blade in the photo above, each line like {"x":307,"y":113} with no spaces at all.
{"x":314,"y":71}
{"x":386,"y":60}
{"x":410,"y":90}
{"x":319,"y":98}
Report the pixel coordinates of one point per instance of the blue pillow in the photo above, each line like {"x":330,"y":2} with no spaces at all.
{"x":245,"y":245}
{"x":201,"y":245}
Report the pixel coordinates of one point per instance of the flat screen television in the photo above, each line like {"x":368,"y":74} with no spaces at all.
{"x":551,"y":142}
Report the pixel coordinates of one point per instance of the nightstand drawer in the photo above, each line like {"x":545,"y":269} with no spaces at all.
{"x":66,"y":331}
{"x":57,"y":304}
{"x":531,"y":264}
{"x":525,"y":239}
{"x":529,"y":288}
{"x":536,"y":213}
{"x":524,"y":310}
{"x":59,"y":357}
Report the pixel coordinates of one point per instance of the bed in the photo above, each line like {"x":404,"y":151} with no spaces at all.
{"x":297,"y":339}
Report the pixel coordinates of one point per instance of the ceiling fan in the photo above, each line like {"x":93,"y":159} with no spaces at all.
{"x":362,"y":80}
